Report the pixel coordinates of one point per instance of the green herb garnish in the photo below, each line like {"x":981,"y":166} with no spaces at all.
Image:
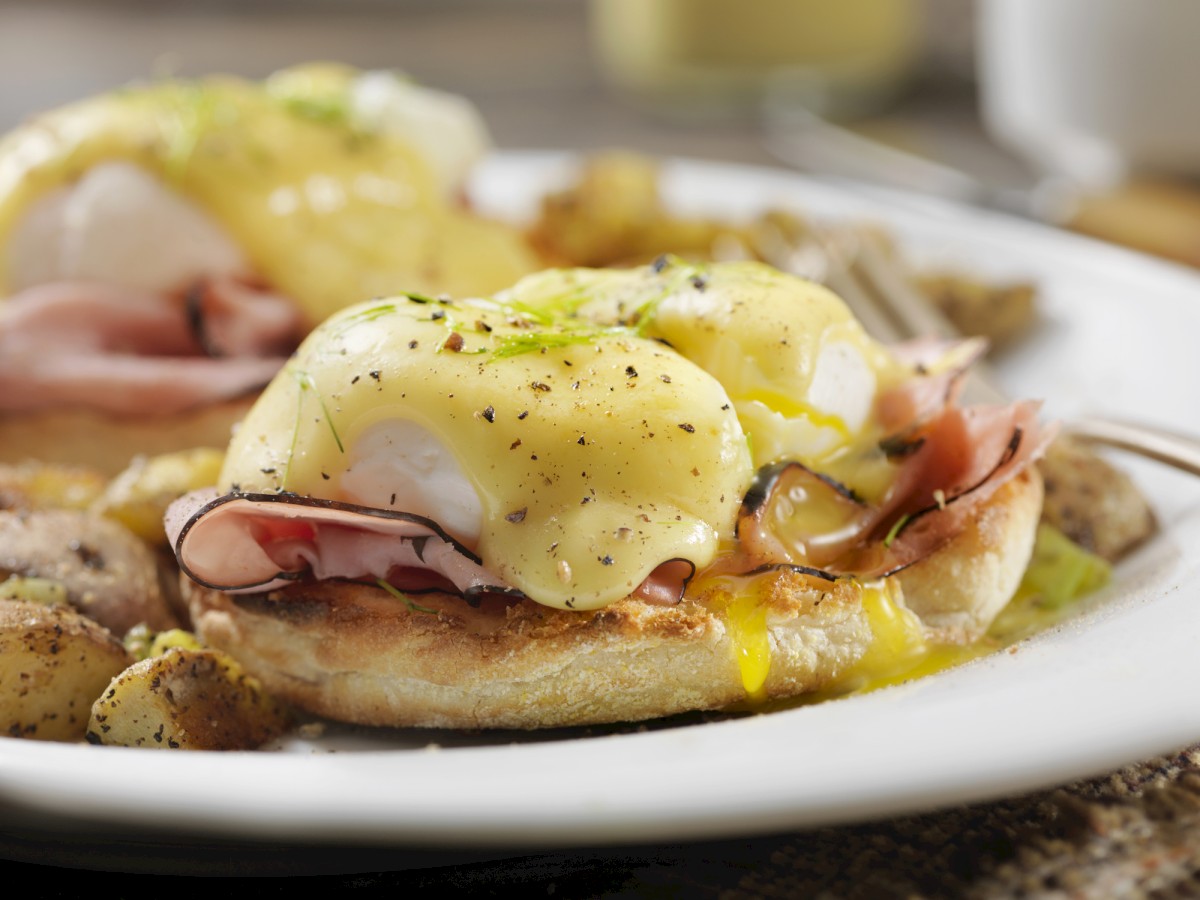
{"x":510,"y":345}
{"x":307,"y":383}
{"x":896,"y":529}
{"x":399,"y":595}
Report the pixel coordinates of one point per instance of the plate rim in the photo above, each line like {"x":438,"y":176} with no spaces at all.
{"x":574,"y":813}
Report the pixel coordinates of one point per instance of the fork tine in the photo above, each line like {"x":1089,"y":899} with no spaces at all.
{"x":841,"y":249}
{"x":881,"y":277}
{"x":854,"y":263}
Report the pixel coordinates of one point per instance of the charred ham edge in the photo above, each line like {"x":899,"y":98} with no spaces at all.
{"x":131,"y":352}
{"x":759,"y":542}
{"x":232,"y":317}
{"x":270,"y":540}
{"x":923,"y":513}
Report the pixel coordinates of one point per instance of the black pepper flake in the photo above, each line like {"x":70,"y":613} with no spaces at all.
{"x":481,"y":325}
{"x":725,"y":408}
{"x":518,"y":516}
{"x":630,"y":372}
{"x":437,"y":315}
{"x":392,"y":502}
{"x":375,"y":374}
{"x":533,"y":456}
{"x":268,"y":471}
{"x":661,"y":263}
{"x":515,"y":444}
{"x":325,"y":476}
{"x":454,"y":343}
{"x":585,"y":500}
{"x":699,"y":282}
{"x":689,"y":428}
{"x":605,"y":560}
{"x":412,"y":345}
{"x":574,"y":385}
{"x":522,"y":415}
{"x":539,"y":386}
{"x":354,"y":380}
{"x":567,"y":362}
{"x":89,"y":556}
{"x":666,"y":379}
{"x":581,"y":441}
{"x":489,"y":413}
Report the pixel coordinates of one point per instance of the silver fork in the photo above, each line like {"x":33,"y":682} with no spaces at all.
{"x":856,"y":265}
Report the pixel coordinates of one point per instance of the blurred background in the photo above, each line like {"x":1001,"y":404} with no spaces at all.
{"x":1077,"y":111}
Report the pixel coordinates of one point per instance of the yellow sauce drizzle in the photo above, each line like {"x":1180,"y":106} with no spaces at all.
{"x":746,"y":617}
{"x":898,"y":653}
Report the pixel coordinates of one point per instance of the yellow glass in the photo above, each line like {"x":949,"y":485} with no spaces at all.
{"x":694,"y":57}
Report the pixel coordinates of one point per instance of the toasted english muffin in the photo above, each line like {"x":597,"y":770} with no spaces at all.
{"x":354,"y":652}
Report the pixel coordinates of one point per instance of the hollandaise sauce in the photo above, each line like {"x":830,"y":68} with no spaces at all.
{"x":329,"y":205}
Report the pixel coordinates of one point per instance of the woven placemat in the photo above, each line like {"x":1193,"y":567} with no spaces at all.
{"x":1134,"y":833}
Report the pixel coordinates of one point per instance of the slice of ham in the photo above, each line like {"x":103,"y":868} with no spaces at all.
{"x":230,"y":317}
{"x":125,"y":351}
{"x":958,"y":461}
{"x":939,"y":367}
{"x":242,"y":542}
{"x":665,"y":586}
{"x":255,"y":542}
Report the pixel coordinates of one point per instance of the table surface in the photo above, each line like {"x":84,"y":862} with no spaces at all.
{"x":528,"y":66}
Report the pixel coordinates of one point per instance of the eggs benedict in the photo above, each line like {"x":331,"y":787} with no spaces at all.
{"x":163,"y":248}
{"x":599,"y":496}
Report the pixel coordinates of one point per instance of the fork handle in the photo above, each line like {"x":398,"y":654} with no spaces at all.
{"x":1172,"y":449}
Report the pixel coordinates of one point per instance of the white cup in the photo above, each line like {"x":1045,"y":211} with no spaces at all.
{"x":1093,"y":89}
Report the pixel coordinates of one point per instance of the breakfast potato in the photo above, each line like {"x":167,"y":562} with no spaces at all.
{"x":53,"y":664}
{"x":1092,"y":502}
{"x":999,"y":312}
{"x":139,"y":496}
{"x":186,"y":699}
{"x":39,"y":485}
{"x":109,"y":574}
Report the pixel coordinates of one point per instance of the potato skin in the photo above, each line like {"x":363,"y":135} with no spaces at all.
{"x":186,"y":700}
{"x":53,"y":664}
{"x":109,"y":574}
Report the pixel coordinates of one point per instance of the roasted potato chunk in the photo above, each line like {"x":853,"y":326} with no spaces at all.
{"x":139,"y":496}
{"x":53,"y":664}
{"x":999,"y":312}
{"x":1092,"y":502}
{"x":34,"y":485}
{"x":186,"y":700}
{"x":109,"y":575}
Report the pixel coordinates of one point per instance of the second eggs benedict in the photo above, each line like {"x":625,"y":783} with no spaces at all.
{"x":163,"y":248}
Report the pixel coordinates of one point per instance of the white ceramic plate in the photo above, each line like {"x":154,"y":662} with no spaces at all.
{"x":1114,"y":685}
